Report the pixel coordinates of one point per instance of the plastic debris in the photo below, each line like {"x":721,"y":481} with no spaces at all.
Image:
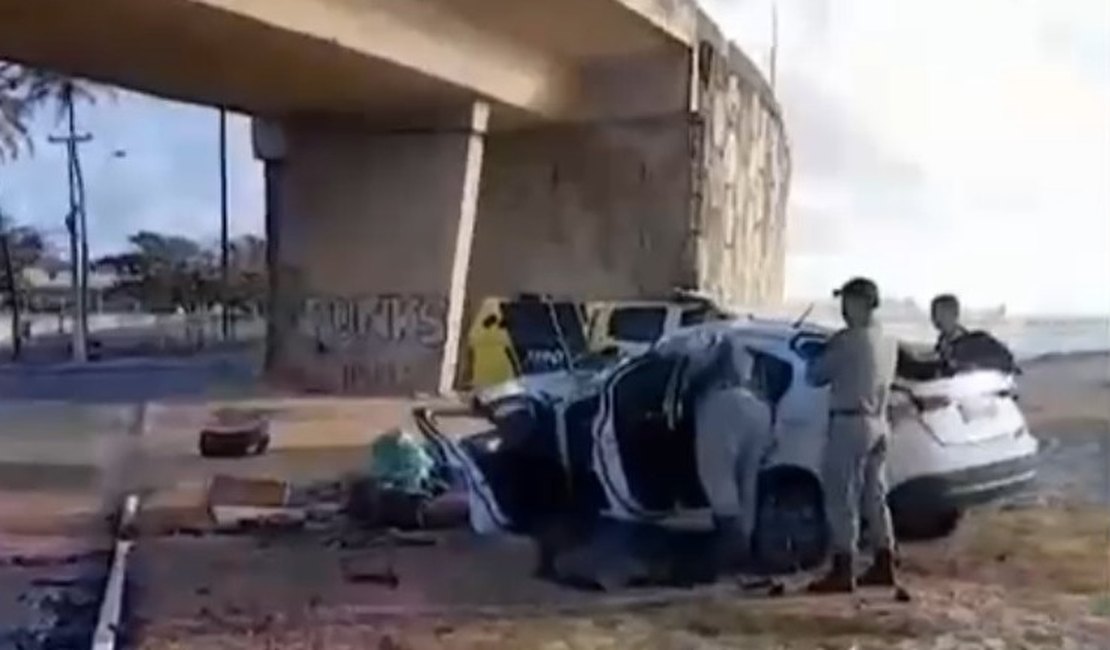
{"x":399,"y":462}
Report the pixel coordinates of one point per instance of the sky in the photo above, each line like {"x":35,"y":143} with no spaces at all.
{"x":166,"y":180}
{"x":945,"y":145}
{"x":939,"y":146}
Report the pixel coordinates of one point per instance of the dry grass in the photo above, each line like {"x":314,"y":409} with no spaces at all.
{"x":1061,"y":549}
{"x":711,"y":625}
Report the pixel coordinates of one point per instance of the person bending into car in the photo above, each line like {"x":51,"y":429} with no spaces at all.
{"x":732,"y":432}
{"x":732,"y":436}
{"x":858,"y":365}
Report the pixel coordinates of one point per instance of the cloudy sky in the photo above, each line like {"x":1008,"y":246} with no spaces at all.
{"x":946,"y":145}
{"x":940,"y":145}
{"x":166,"y":180}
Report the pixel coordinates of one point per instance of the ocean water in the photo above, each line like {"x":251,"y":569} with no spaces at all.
{"x":1027,"y":338}
{"x":1033,"y":341}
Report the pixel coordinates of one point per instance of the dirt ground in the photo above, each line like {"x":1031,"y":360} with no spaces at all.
{"x":1030,"y":575}
{"x":1031,"y":578}
{"x":1034,"y":575}
{"x":1067,"y":395}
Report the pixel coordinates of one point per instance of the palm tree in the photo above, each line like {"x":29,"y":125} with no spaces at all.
{"x":20,"y":247}
{"x":13,"y":111}
{"x":23,"y":91}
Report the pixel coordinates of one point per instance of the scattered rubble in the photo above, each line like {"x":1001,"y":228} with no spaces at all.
{"x":234,"y":433}
{"x":61,"y":596}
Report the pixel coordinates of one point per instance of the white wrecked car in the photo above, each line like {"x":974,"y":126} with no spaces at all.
{"x":618,"y":440}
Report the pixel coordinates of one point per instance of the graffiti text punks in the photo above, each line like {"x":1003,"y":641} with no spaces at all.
{"x":386,"y":319}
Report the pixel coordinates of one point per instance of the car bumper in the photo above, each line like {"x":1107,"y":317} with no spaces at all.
{"x":967,"y":487}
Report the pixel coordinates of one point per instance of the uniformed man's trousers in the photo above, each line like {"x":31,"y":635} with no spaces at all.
{"x":855,"y":477}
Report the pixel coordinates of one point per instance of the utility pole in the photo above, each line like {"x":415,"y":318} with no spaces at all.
{"x":75,"y":224}
{"x":225,"y":314}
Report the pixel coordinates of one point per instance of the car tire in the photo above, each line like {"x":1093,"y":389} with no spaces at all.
{"x":790,"y":529}
{"x":925,"y":525}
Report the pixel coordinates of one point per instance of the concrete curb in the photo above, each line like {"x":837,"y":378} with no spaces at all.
{"x":111,"y":604}
{"x":127,"y":364}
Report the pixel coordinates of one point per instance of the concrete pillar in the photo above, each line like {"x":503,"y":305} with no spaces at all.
{"x":268,"y":140}
{"x":372,"y":233}
{"x":464,"y":239}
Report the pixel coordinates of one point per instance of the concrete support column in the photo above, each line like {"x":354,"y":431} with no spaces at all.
{"x":373,"y":234}
{"x":464,"y":239}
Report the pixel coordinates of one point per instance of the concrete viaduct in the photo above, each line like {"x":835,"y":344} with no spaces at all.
{"x":422,"y":154}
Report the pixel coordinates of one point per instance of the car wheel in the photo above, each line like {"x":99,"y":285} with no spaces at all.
{"x":790,"y":531}
{"x":926,"y":524}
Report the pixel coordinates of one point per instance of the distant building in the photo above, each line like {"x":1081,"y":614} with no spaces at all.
{"x":47,"y":288}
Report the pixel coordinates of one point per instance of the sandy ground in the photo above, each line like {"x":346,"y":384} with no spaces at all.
{"x":1067,"y":395}
{"x":1034,"y":576}
{"x":1067,"y":403}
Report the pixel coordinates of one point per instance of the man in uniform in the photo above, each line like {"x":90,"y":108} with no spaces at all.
{"x":858,"y":365}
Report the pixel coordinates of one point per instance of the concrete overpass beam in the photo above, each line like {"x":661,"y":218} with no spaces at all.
{"x":373,"y":236}
{"x":429,"y":39}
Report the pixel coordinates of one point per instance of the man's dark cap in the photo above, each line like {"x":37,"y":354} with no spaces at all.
{"x":861,"y":287}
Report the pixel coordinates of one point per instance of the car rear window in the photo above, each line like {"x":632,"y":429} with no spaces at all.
{"x":543,"y":333}
{"x":540,"y":324}
{"x":638,"y":324}
{"x":694,"y":317}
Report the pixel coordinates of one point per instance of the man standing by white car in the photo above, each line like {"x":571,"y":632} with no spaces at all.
{"x":944,"y":311}
{"x":858,"y":365}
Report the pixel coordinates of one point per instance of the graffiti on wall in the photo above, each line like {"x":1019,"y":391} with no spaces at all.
{"x":385,"y":319}
{"x":382,"y":343}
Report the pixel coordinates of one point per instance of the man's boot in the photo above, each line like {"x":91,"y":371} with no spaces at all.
{"x":881,"y":573}
{"x":839,"y":580}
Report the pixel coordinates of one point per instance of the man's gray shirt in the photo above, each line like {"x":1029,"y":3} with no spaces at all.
{"x":859,"y":365}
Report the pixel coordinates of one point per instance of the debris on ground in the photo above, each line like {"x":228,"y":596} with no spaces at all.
{"x":400,"y":463}
{"x":59,"y":596}
{"x":234,"y":433}
{"x":239,"y":502}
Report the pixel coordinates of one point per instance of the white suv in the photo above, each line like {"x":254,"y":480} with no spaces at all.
{"x":608,"y":439}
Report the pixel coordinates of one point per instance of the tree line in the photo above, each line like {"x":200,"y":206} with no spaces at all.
{"x":164,"y":273}
{"x":158,"y":272}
